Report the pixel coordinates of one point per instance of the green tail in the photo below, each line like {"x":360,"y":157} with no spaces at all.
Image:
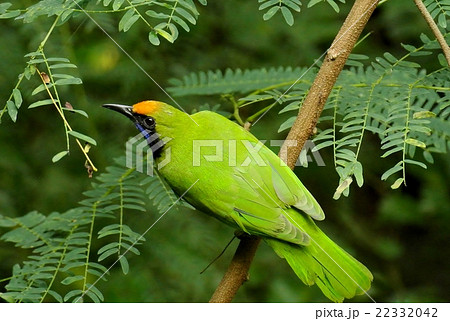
{"x":324,"y":263}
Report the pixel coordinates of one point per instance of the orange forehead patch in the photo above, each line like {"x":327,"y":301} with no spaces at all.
{"x":147,"y":107}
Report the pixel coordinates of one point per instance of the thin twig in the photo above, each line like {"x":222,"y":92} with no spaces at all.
{"x":434,"y":28}
{"x":307,"y":118}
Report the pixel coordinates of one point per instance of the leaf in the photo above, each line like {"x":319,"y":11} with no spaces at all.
{"x":82,"y":137}
{"x":313,"y":3}
{"x":124,"y":264}
{"x":68,"y":81}
{"x":71,"y":279}
{"x":108,"y":253}
{"x":72,"y":294}
{"x":77,"y":111}
{"x":287,"y":14}
{"x":442,"y":20}
{"x":41,"y":88}
{"x":394,"y":169}
{"x":424,"y":114}
{"x":59,"y":66}
{"x":10,"y":14}
{"x":398,"y":182}
{"x":169,"y":37}
{"x":333,"y":5}
{"x":12,"y":110}
{"x":42,"y":103}
{"x":415,"y":142}
{"x":287,"y":124}
{"x":17,"y":97}
{"x":4,"y":7}
{"x":128,"y":19}
{"x":269,"y":14}
{"x":94,"y":290}
{"x":60,"y":155}
{"x":413,"y":162}
{"x":56,"y":296}
{"x":342,"y":187}
{"x":358,"y":173}
{"x":117,"y":4}
{"x":153,"y":38}
{"x":186,"y":15}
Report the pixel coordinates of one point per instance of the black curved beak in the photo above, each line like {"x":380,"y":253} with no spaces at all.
{"x":123,"y":109}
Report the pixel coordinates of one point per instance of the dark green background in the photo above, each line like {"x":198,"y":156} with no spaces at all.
{"x":401,"y":235}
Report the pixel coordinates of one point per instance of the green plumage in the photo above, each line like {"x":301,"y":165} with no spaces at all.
{"x":244,"y":184}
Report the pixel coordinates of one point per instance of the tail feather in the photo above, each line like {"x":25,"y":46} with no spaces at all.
{"x":324,"y":263}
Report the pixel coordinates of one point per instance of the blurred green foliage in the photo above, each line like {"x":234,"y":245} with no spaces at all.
{"x":400,"y":235}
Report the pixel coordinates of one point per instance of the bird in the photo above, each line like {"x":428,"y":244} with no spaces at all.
{"x":241,"y":182}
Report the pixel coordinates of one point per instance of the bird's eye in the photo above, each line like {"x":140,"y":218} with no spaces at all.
{"x":149,"y":122}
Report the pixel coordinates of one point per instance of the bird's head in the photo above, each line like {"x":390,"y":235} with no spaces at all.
{"x":152,"y":118}
{"x":148,"y":115}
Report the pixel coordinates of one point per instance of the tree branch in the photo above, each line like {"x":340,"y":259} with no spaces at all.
{"x":323,"y":84}
{"x":307,"y":118}
{"x":237,"y":272}
{"x":434,"y":28}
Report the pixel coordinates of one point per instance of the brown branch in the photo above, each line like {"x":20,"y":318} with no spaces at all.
{"x":237,"y":272}
{"x":434,"y":28}
{"x":326,"y":77}
{"x":307,"y":118}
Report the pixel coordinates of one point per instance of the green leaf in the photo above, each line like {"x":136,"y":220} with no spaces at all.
{"x":186,"y":15}
{"x":124,"y":264}
{"x":56,"y":296}
{"x":77,"y":111}
{"x":358,"y":173}
{"x":415,"y":142}
{"x":345,"y":184}
{"x":428,"y":157}
{"x":397,"y":183}
{"x":424,"y":114}
{"x":287,"y":14}
{"x":108,"y":253}
{"x":42,"y":103}
{"x":12,"y":110}
{"x":72,"y":294}
{"x":128,"y":19}
{"x":181,"y":22}
{"x":169,"y":37}
{"x":153,"y":38}
{"x":94,"y":290}
{"x":4,"y":7}
{"x":269,"y":14}
{"x":287,"y":124}
{"x":398,"y":167}
{"x":117,"y":4}
{"x":413,"y":162}
{"x":68,"y":81}
{"x":41,"y":88}
{"x":442,"y":20}
{"x":10,"y":14}
{"x":59,"y":66}
{"x":60,"y":155}
{"x":333,"y":5}
{"x":82,"y":137}
{"x":17,"y":97}
{"x":71,"y":279}
{"x":313,"y":3}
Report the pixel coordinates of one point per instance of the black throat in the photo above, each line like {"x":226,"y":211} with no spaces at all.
{"x":154,"y":141}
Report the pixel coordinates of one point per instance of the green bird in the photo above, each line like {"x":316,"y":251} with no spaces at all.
{"x":230,"y":175}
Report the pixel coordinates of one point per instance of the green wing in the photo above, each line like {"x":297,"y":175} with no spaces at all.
{"x":264,"y":195}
